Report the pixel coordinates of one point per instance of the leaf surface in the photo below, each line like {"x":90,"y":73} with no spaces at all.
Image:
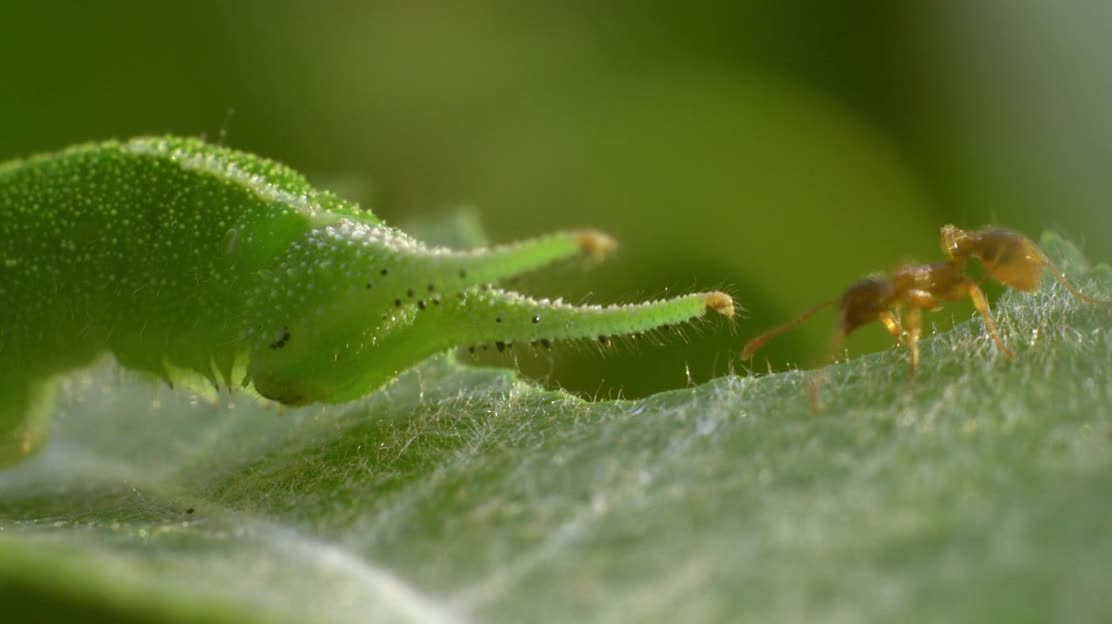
{"x":976,"y":492}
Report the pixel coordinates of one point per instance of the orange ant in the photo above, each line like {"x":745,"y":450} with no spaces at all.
{"x":1007,"y":257}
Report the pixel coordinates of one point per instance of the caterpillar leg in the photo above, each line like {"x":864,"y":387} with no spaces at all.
{"x":24,"y":415}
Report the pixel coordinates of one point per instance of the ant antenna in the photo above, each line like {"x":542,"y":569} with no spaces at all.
{"x":1070,"y":287}
{"x":753,"y":345}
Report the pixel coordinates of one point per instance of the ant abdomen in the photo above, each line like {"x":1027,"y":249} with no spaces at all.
{"x":1008,"y":258}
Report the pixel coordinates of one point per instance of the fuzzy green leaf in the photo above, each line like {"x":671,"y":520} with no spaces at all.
{"x":977,"y":492}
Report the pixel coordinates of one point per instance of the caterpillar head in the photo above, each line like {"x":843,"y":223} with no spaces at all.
{"x":352,"y":305}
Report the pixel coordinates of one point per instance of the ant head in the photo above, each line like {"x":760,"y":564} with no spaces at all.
{"x":863,"y":302}
{"x":956,"y":242}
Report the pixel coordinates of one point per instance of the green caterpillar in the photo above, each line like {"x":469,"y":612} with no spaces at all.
{"x":182,"y":258}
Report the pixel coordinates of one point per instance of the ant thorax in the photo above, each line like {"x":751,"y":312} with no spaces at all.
{"x":941,"y":279}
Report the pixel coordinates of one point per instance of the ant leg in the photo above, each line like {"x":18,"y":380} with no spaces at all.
{"x":1070,"y":287}
{"x":914,"y":328}
{"x":981,"y":304}
{"x":837,"y":345}
{"x":918,"y":300}
{"x":892,"y":324}
{"x":818,"y":378}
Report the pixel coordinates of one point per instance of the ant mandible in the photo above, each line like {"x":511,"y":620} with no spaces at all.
{"x":1008,"y":257}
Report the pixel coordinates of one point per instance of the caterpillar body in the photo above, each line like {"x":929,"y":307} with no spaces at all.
{"x":182,"y":258}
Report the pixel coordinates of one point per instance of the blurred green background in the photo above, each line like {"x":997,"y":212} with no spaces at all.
{"x":778,"y":150}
